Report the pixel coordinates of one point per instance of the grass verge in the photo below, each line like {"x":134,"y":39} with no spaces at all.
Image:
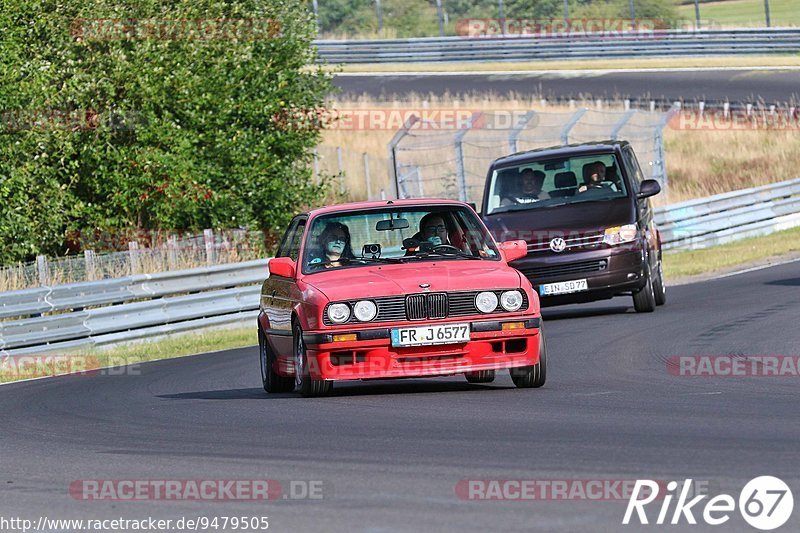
{"x":787,"y":60}
{"x":745,"y":13}
{"x":726,"y":257}
{"x":92,"y":359}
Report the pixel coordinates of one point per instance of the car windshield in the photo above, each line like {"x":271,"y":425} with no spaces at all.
{"x":549,"y":183}
{"x":394,"y":235}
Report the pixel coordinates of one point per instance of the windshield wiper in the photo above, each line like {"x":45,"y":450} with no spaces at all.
{"x":451,"y":252}
{"x":392,"y":260}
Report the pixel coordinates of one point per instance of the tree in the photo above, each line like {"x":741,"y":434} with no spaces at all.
{"x":152,"y":114}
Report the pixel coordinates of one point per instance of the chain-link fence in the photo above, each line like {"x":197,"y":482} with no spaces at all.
{"x":429,"y":162}
{"x":174,"y":253}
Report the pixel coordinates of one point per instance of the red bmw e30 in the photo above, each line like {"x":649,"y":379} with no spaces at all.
{"x":396,"y":289}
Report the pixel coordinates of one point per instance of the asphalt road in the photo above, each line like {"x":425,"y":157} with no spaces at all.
{"x":389,"y":454}
{"x":771,"y":86}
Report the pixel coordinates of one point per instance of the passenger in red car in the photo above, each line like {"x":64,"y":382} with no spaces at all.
{"x":334,"y":245}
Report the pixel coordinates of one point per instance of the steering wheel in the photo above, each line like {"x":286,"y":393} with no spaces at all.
{"x":448,"y":247}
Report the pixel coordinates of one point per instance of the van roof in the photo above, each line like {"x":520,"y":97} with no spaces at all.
{"x":556,"y":152}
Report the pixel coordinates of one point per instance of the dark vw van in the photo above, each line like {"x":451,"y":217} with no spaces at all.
{"x":585,"y":213}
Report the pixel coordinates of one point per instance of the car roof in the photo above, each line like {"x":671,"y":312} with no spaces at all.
{"x":377,"y":204}
{"x":555,"y":152}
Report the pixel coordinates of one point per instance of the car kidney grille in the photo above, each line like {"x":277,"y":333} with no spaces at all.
{"x":416,"y":307}
{"x":579,"y":267}
{"x":437,"y":305}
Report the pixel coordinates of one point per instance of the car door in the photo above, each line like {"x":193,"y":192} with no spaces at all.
{"x":280,"y":294}
{"x":643,"y":208}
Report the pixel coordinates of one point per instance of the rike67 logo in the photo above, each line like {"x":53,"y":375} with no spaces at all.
{"x":765,"y":503}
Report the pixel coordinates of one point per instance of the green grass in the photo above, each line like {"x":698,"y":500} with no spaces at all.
{"x":748,"y":13}
{"x":728,"y":256}
{"x":676,"y":265}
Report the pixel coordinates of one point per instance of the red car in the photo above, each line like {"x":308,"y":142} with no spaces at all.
{"x":396,"y":289}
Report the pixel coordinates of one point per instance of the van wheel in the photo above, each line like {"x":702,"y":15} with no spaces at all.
{"x":271,"y":380}
{"x":303,"y":383}
{"x":644,"y":301}
{"x":481,"y":376}
{"x":659,"y":289}
{"x":532,"y":376}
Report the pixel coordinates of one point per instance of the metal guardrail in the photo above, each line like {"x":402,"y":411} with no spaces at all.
{"x":730,"y":216}
{"x":103,"y":312}
{"x":524,"y":48}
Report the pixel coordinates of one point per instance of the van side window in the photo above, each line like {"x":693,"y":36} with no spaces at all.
{"x":633,"y":165}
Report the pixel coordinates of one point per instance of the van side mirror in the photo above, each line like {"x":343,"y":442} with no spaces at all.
{"x":648,"y":188}
{"x":513,"y":250}
{"x":284,"y":267}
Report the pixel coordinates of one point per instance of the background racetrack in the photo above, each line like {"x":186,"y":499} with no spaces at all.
{"x":390,"y":453}
{"x":736,"y":85}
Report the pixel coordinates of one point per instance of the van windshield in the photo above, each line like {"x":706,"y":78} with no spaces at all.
{"x":549,"y":183}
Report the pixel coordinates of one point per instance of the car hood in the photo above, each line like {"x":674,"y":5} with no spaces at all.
{"x":392,"y":280}
{"x":579,"y":217}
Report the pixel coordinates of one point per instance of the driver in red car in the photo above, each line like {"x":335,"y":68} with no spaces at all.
{"x":433,"y":229}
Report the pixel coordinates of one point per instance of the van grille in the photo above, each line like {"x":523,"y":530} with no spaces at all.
{"x":578,"y":267}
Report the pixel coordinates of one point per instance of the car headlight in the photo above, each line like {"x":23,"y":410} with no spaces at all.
{"x":486,"y":302}
{"x":511,"y":300}
{"x":365,"y":310}
{"x":339,"y":313}
{"x":620,"y":234}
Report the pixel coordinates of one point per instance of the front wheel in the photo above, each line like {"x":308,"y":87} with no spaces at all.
{"x":533,"y":376}
{"x":307,"y":386}
{"x":659,"y":289}
{"x":271,"y":380}
{"x":644,"y":301}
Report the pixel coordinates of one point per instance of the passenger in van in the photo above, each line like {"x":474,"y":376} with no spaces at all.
{"x":594,"y":177}
{"x":530,"y":190}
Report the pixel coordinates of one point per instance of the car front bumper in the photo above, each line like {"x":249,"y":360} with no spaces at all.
{"x":372,"y":355}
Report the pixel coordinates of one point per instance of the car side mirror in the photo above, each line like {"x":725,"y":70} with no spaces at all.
{"x":513,"y":250}
{"x":284,"y":267}
{"x":648,"y":188}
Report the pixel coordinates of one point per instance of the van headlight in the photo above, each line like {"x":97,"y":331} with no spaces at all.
{"x":486,"y":302}
{"x":365,"y":310}
{"x":339,"y":313}
{"x":511,"y":300}
{"x":620,"y":234}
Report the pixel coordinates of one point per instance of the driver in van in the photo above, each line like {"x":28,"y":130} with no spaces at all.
{"x":531,"y":182}
{"x":594,"y":177}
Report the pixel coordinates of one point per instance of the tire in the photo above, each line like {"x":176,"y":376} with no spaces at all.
{"x":307,"y":387}
{"x":481,"y":376}
{"x":527,"y":377}
{"x":659,"y":289}
{"x":644,"y":301}
{"x":271,"y":381}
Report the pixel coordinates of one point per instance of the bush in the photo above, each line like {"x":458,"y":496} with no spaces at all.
{"x":127,"y":125}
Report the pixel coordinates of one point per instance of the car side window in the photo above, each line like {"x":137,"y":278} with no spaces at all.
{"x":286,"y":241}
{"x":633,"y":165}
{"x":297,"y":238}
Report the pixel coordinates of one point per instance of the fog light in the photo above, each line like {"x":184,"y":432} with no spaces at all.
{"x":345,"y":337}
{"x":513,"y":325}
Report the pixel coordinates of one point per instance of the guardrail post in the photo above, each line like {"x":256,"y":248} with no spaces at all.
{"x":393,"y":174}
{"x":517,"y":129}
{"x":440,"y":15}
{"x":133,"y":257}
{"x":43,"y":270}
{"x":340,"y":163}
{"x":766,"y":13}
{"x":379,"y":13}
{"x":208,"y":238}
